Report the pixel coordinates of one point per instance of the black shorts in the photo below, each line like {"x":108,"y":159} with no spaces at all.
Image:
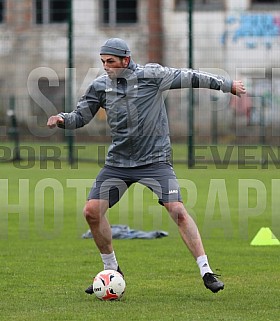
{"x":112,"y":182}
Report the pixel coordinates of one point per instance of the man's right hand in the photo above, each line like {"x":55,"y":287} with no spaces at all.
{"x":54,"y":120}
{"x":238,"y":88}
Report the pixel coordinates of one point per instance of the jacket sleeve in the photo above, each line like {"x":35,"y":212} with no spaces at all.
{"x":86,"y":109}
{"x":189,"y":78}
{"x":172,"y":78}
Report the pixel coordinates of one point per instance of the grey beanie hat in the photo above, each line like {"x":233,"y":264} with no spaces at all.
{"x":115,"y":47}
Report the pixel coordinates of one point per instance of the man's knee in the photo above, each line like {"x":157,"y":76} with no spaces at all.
{"x":174,"y":207}
{"x":89,"y":213}
{"x":177,"y":211}
{"x":94,"y":210}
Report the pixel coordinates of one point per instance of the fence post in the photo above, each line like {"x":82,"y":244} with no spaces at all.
{"x":13,"y":131}
{"x":69,"y":98}
{"x":190,"y":100}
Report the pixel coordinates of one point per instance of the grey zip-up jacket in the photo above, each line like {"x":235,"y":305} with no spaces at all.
{"x":136,"y":114}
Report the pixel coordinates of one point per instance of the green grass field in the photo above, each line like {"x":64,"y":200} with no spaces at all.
{"x":46,"y":265}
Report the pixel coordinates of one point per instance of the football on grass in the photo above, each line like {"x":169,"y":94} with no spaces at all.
{"x":109,"y":285}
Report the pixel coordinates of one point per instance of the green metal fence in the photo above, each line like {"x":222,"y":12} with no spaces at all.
{"x":49,"y":55}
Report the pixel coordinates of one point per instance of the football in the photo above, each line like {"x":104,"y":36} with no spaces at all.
{"x":109,"y":285}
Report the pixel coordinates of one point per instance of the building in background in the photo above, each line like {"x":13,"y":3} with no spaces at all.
{"x":238,"y":38}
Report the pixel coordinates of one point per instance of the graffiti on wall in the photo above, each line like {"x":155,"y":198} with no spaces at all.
{"x":253,"y":29}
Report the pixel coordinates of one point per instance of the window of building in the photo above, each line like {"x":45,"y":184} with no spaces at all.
{"x":119,"y":11}
{"x":265,"y":4}
{"x":1,"y":11}
{"x":201,"y":5}
{"x":51,"y":11}
{"x":265,"y":1}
